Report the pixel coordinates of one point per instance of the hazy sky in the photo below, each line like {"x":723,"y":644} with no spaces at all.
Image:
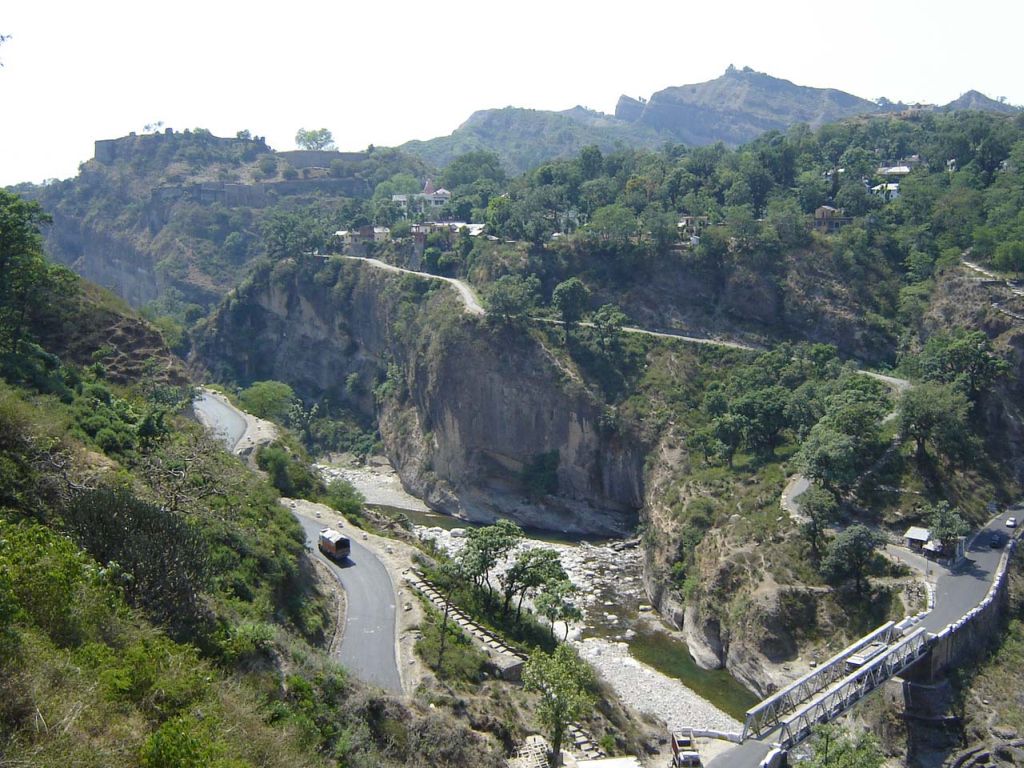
{"x":384,"y":72}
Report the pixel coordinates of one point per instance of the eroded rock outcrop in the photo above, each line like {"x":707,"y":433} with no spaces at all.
{"x":464,"y":406}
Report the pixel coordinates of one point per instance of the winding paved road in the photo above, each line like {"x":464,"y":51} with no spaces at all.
{"x":368,"y":645}
{"x":215,"y":413}
{"x":959,"y":590}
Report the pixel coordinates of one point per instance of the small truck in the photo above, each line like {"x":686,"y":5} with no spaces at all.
{"x":864,"y":655}
{"x":333,"y":544}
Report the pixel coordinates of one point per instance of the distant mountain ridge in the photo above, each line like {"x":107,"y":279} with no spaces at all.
{"x":978,"y":101}
{"x":739,"y":106}
{"x":734,"y":108}
{"x":525,"y":138}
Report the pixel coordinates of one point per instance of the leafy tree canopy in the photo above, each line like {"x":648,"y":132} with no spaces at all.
{"x":268,"y":399}
{"x":319,"y":139}
{"x":562,"y":680}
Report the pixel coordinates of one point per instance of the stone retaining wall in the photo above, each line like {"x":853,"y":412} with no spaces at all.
{"x":508,"y":661}
{"x":978,"y":627}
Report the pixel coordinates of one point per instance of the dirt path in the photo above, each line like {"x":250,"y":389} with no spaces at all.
{"x":466,"y":292}
{"x":474,"y":307}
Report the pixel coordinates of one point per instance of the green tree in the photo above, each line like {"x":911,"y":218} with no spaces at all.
{"x":562,"y":679}
{"x":399,"y":184}
{"x":704,"y":441}
{"x":608,"y":323}
{"x":661,"y":226}
{"x":819,"y":507}
{"x":23,"y":269}
{"x":728,"y":431}
{"x":835,"y":748}
{"x":590,"y":161}
{"x":531,"y":570}
{"x":555,"y":603}
{"x":856,"y":414}
{"x":612,"y":224}
{"x":962,"y":357}
{"x":946,"y":524}
{"x":473,"y":166}
{"x":828,"y":457}
{"x":290,"y":233}
{"x":935,"y":413}
{"x":318,"y":139}
{"x":289,"y":473}
{"x":570,"y":298}
{"x":512,"y":297}
{"x":485,"y":547}
{"x":344,"y":497}
{"x":849,"y":556}
{"x":789,"y":222}
{"x":1009,"y":256}
{"x":764,"y":414}
{"x":268,"y":400}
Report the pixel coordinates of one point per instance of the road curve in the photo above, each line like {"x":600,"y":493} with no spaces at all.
{"x":473,"y":307}
{"x":466,"y":292}
{"x":219,"y":417}
{"x":368,"y":644}
{"x":961,"y":589}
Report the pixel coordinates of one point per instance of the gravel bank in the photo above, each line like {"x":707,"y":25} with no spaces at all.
{"x":378,"y":482}
{"x":651,"y":692}
{"x":608,"y":576}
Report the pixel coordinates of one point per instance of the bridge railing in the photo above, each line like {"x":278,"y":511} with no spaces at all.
{"x":767,"y":715}
{"x":851,"y":689}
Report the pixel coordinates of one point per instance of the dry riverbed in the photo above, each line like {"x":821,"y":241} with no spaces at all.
{"x":612,"y":600}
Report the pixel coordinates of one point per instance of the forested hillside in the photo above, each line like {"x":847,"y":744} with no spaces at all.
{"x":157,"y":607}
{"x":806,"y":245}
{"x":889,"y":242}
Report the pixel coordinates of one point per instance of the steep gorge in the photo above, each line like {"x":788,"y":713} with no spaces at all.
{"x":464,"y":406}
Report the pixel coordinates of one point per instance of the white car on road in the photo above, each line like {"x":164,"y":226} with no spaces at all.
{"x":1011,"y":522}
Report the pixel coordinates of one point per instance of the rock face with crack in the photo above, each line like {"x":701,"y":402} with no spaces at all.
{"x":479,"y":420}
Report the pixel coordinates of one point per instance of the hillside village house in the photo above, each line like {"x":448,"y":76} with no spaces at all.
{"x":351,"y":238}
{"x":428,"y":200}
{"x":451,"y":227}
{"x":829,"y":219}
{"x":895,"y":171}
{"x":916,"y":537}
{"x":691,"y":227}
{"x":888,"y":191}
{"x":919,"y":539}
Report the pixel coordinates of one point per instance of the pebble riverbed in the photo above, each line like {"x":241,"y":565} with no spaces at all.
{"x":608,"y":576}
{"x":612,"y":600}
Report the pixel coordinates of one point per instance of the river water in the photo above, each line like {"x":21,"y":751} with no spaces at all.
{"x":618,"y":628}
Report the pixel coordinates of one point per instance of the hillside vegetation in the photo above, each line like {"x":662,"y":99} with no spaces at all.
{"x":156,"y":604}
{"x":582,"y":248}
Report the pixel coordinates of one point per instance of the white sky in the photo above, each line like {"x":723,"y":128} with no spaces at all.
{"x":387,"y":71}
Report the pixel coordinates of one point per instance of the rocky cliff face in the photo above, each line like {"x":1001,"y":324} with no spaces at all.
{"x":990,"y":306}
{"x":108,"y":260}
{"x":463,"y":407}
